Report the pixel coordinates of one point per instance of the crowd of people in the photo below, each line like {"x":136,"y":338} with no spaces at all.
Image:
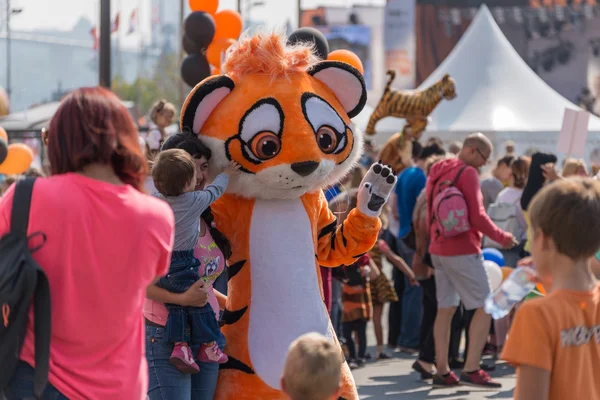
{"x":440,"y":283}
{"x":174,"y":268}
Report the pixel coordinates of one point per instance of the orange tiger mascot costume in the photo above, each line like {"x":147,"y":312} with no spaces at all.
{"x":285,"y":118}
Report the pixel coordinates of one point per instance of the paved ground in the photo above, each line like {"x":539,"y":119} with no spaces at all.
{"x":395,"y":379}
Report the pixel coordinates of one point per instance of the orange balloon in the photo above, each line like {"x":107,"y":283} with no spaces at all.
{"x":348,"y":57}
{"x":3,"y":134}
{"x":229,"y":25}
{"x":208,"y":6}
{"x":214,"y":50}
{"x":18,"y":160}
{"x":214,"y":70}
{"x":506,"y":271}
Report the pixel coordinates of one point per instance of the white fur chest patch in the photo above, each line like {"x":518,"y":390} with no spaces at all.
{"x":285,"y":301}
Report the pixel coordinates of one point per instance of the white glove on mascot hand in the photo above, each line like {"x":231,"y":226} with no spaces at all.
{"x":375,"y":189}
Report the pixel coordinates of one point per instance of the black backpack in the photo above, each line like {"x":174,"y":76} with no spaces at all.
{"x":21,"y":281}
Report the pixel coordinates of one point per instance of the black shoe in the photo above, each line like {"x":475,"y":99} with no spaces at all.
{"x":384,"y":356}
{"x":424,"y":373}
{"x":367,"y":356}
{"x":487,"y":367}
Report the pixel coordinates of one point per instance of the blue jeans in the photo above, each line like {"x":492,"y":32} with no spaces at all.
{"x":183,"y":273}
{"x":166,"y":382}
{"x":21,"y":386}
{"x":412,"y":304}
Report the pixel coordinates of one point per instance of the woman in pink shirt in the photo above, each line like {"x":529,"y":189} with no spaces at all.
{"x":212,"y":249}
{"x":106,"y":243}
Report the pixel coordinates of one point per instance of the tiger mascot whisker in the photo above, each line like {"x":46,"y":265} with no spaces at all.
{"x":412,"y":105}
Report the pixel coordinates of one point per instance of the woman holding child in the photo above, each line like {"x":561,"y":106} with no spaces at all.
{"x":167,"y":379}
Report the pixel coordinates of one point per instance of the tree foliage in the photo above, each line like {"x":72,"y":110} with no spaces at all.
{"x":144,"y":91}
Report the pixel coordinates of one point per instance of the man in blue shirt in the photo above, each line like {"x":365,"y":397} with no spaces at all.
{"x":410,"y":183}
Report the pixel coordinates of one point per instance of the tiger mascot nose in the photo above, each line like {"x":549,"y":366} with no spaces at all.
{"x":305,"y":168}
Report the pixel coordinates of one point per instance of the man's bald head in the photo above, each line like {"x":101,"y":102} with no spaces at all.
{"x":476,"y":150}
{"x":480,"y":141}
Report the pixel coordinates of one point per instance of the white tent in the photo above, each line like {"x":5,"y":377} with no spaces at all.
{"x":498,"y":94}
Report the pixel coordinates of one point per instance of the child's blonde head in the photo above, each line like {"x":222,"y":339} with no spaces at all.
{"x":313,"y":368}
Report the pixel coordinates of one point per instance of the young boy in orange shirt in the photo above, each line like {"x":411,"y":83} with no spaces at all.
{"x":555,"y":340}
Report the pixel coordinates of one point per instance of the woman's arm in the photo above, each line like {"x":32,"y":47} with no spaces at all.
{"x":195,"y":296}
{"x":221,"y":299}
{"x":532,"y":383}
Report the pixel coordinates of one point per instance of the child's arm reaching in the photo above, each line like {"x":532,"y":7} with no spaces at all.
{"x":397,"y":262}
{"x":204,"y":198}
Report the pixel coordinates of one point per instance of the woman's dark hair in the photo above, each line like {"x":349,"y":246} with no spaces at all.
{"x":91,"y":126}
{"x":190,"y":143}
{"x":417,"y":147}
{"x":433,"y":149}
{"x":535,"y":179}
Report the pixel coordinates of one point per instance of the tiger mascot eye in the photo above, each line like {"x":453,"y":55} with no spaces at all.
{"x":285,"y":118}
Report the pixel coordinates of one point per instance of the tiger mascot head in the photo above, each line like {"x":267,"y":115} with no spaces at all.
{"x":281,"y":114}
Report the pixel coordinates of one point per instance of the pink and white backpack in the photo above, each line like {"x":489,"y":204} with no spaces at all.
{"x":450,"y":212}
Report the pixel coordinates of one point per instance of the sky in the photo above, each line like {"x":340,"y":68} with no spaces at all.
{"x":63,"y":14}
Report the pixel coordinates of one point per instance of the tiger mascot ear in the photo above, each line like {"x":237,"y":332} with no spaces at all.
{"x":346,"y":83}
{"x":203,"y":100}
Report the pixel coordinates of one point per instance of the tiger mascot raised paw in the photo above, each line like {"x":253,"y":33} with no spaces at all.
{"x":285,"y":118}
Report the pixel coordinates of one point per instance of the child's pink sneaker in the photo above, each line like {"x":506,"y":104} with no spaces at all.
{"x":183,"y":359}
{"x":210,"y":353}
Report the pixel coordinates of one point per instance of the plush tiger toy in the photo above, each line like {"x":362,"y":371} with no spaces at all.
{"x":285,"y":118}
{"x":414,"y":106}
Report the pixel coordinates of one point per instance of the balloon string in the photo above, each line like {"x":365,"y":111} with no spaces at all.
{"x":5,"y":314}
{"x":347,"y":198}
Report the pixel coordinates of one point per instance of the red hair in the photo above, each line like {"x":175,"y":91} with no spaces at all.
{"x":92,"y":126}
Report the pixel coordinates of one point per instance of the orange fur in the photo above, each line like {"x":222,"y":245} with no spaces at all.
{"x":267,"y":54}
{"x":263,"y":67}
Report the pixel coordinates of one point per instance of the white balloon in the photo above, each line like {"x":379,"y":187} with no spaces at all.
{"x":494,"y":274}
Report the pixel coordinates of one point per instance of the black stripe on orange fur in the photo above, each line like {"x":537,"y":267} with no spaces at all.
{"x":231,"y":317}
{"x":234,"y":268}
{"x":344,"y":241}
{"x":328,"y":229}
{"x":232,"y":363}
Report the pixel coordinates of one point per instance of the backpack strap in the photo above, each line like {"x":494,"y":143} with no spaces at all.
{"x":453,"y":183}
{"x":42,"y":331}
{"x":19,"y":219}
{"x":19,"y":223}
